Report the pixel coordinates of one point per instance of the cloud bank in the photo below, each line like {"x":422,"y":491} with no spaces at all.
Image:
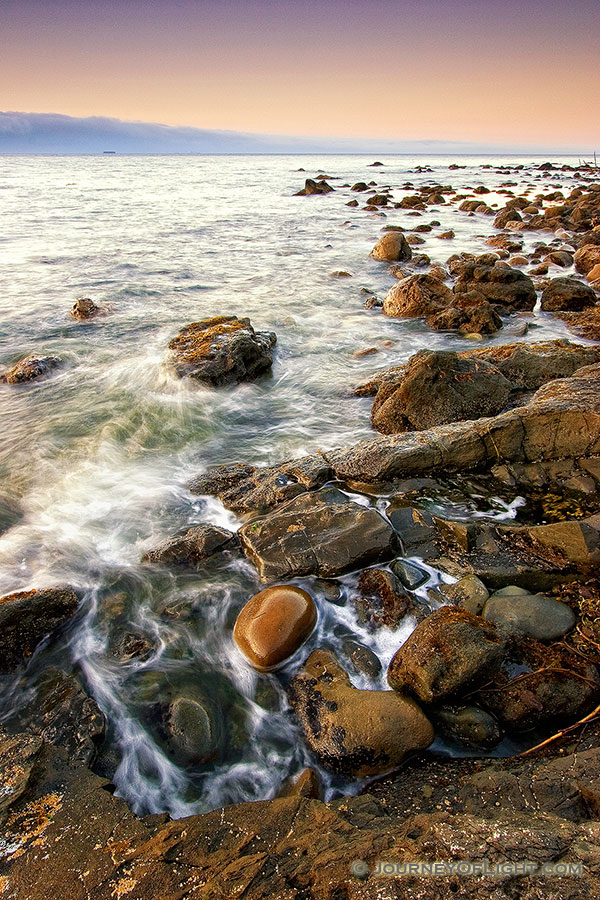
{"x":52,"y":133}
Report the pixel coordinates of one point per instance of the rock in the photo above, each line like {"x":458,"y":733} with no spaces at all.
{"x":505,"y":216}
{"x":193,"y":546}
{"x":561,"y":258}
{"x":308,"y":784}
{"x":470,"y":315}
{"x":316,"y":534}
{"x":274,"y":624}
{"x":222,"y":350}
{"x":360,"y":186}
{"x":30,"y":368}
{"x":194,"y":735}
{"x":392,"y":247}
{"x":62,"y":714}
{"x":593,"y":275}
{"x":27,"y":617}
{"x":569,"y":294}
{"x":497,"y":283}
{"x":468,"y":592}
{"x":362,"y":658}
{"x":568,"y":543}
{"x":447,"y":653}
{"x":314,"y":187}
{"x":410,"y":576}
{"x":382,"y":599}
{"x":84,"y":308}
{"x":534,"y":615}
{"x":351,"y":731}
{"x":18,"y":756}
{"x":131,"y":645}
{"x":586,"y":258}
{"x":440,"y":387}
{"x":417,"y":296}
{"x":469,"y":724}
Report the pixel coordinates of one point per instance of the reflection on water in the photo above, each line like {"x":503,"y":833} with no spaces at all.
{"x":94,"y":461}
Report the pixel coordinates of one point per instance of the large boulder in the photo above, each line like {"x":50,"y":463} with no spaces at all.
{"x":450,"y":651}
{"x":351,"y":731}
{"x":28,"y":616}
{"x":497,"y":283}
{"x":222,"y":350}
{"x":316,"y":534}
{"x":29,"y":368}
{"x":569,"y":294}
{"x":274,"y":624}
{"x":440,"y":387}
{"x":193,"y":546}
{"x":392,"y":247}
{"x":417,"y":296}
{"x":470,"y":314}
{"x":587,"y":257}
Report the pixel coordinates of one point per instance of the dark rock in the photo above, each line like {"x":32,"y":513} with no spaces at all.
{"x":27,"y":617}
{"x":382,"y":599}
{"x":274,"y":624}
{"x":194,"y":734}
{"x":352,"y":731}
{"x":569,"y":294}
{"x":18,"y":756}
{"x":30,"y":368}
{"x":534,"y":615}
{"x":469,"y":724}
{"x":84,"y":308}
{"x":314,"y":187}
{"x":497,"y":283}
{"x":193,"y":546}
{"x":222,"y":350}
{"x":410,"y":576}
{"x":316,"y":534}
{"x":362,"y":658}
{"x":447,"y":653}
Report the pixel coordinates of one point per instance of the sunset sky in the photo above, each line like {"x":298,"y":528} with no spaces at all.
{"x":513,"y":71}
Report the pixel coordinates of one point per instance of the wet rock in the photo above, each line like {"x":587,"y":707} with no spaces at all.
{"x":569,"y":294}
{"x":308,"y":784}
{"x":222,"y":350}
{"x":410,"y":576}
{"x":131,"y":645}
{"x":586,"y":258}
{"x":497,"y":283}
{"x":447,"y":653}
{"x":19,"y":754}
{"x":440,"y":387}
{"x":314,"y":187}
{"x":84,"y":308}
{"x":362,"y":658}
{"x":351,"y":731}
{"x":392,"y":247}
{"x":316,"y":534}
{"x":27,"y":617}
{"x":193,"y":546}
{"x":468,"y":592}
{"x":62,"y":714}
{"x":470,"y":314}
{"x":274,"y":624}
{"x":417,"y":296}
{"x":469,"y":724}
{"x":534,"y":615}
{"x":382,"y":599}
{"x":194,"y":735}
{"x":416,"y":530}
{"x":505,"y":216}
{"x":30,"y":368}
{"x":569,"y":543}
{"x":360,"y":186}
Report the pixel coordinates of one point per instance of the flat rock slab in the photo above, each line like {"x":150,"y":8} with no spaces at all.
{"x":222,"y":350}
{"x":193,"y":546}
{"x":318,"y":533}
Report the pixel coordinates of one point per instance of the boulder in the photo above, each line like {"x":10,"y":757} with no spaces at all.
{"x":440,"y":387}
{"x":84,"y":308}
{"x":470,"y":314}
{"x":533,"y":615}
{"x":417,"y":296}
{"x":274,"y":624}
{"x":222,"y":350}
{"x":469,"y":592}
{"x":392,"y":247}
{"x":569,"y":294}
{"x":382,"y":599}
{"x":354,"y":732}
{"x":317,"y":534}
{"x":587,"y":257}
{"x":30,"y":368}
{"x":505,"y":216}
{"x":27,"y":617}
{"x":19,"y":754}
{"x":314,"y":187}
{"x":193,"y":732}
{"x":448,"y":652}
{"x":469,"y":724}
{"x":193,"y":546}
{"x":570,"y":543}
{"x":497,"y":283}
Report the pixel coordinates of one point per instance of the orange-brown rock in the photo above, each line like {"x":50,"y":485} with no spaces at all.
{"x":417,"y":296}
{"x":392,"y":247}
{"x":273,"y":624}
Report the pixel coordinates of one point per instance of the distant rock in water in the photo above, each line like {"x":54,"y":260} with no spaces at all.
{"x":29,"y":369}
{"x":222,"y":350}
{"x":314,"y":187}
{"x":84,"y":308}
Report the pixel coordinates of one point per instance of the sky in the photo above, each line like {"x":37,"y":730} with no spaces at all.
{"x":510,"y":72}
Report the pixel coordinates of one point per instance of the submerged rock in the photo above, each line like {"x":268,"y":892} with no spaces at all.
{"x":469,"y":724}
{"x":449,"y":651}
{"x":193,"y":546}
{"x":194,"y":734}
{"x":27,"y":617}
{"x":351,"y":731}
{"x":274,"y":624}
{"x":317,"y":534}
{"x":30,"y":368}
{"x":222,"y":350}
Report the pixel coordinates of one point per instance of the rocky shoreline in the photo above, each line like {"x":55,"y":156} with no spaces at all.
{"x":506,"y":646}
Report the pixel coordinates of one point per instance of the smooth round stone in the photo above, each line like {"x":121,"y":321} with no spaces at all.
{"x":511,"y":590}
{"x":274,"y":624}
{"x":362,"y":658}
{"x":410,"y":575}
{"x":469,"y":592}
{"x":469,"y":724}
{"x":533,"y":615}
{"x":192,"y":730}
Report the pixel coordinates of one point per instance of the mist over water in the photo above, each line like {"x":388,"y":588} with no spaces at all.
{"x":94,"y":460}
